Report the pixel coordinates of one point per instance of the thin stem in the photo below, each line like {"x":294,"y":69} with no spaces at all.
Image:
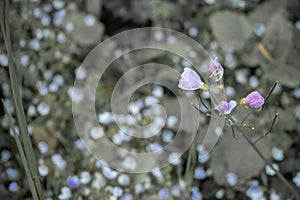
{"x":244,"y":126}
{"x":233,"y":132}
{"x":247,"y":116}
{"x":189,"y":161}
{"x":203,"y":113}
{"x":202,"y":101}
{"x":191,"y":157}
{"x":207,"y":114}
{"x":271,"y":91}
{"x":270,"y":129}
{"x":277,"y":172}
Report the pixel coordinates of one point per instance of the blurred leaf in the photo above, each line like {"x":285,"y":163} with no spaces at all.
{"x":250,"y":54}
{"x":293,"y":57}
{"x":83,"y":34}
{"x":231,"y":29}
{"x":286,"y":75}
{"x":94,"y":6}
{"x":282,"y":140}
{"x":239,"y":157}
{"x":278,"y":37}
{"x":286,"y":121}
{"x":263,"y":13}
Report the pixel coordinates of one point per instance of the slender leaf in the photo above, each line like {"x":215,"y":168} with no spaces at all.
{"x":16,"y":92}
{"x":21,"y":151}
{"x":17,"y":98}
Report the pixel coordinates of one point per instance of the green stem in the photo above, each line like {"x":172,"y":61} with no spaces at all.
{"x":202,"y":101}
{"x":270,"y":129}
{"x":277,"y":172}
{"x":207,"y":114}
{"x":189,"y":160}
{"x":187,"y":174}
{"x":247,"y":116}
{"x":271,"y":91}
{"x":233,"y":133}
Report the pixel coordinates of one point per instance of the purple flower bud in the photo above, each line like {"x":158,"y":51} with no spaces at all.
{"x":226,"y":107}
{"x":190,"y":80}
{"x":216,"y":69}
{"x":254,"y":100}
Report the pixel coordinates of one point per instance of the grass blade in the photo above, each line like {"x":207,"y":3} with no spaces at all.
{"x":17,"y":99}
{"x":21,"y":151}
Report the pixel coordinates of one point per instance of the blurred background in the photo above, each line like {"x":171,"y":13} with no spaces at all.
{"x":256,"y":41}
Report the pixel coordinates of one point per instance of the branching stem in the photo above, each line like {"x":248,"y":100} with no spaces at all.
{"x":277,"y":172}
{"x":270,"y":129}
{"x":231,"y":122}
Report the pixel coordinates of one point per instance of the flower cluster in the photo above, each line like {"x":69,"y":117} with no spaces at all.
{"x":190,"y":80}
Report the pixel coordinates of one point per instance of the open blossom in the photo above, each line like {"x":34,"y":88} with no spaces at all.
{"x":190,"y":80}
{"x":216,"y":69}
{"x":227,"y":107}
{"x":254,"y":100}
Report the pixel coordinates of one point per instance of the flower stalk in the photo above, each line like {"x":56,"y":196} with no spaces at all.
{"x":231,"y":122}
{"x":277,"y":172}
{"x":254,"y":100}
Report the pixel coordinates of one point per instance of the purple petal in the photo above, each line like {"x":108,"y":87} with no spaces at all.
{"x":255,"y":100}
{"x":190,"y":80}
{"x":212,"y":66}
{"x":215,"y":65}
{"x":216,"y":69}
{"x":221,"y":106}
{"x":186,"y":85}
{"x":230,"y":107}
{"x":226,"y":107}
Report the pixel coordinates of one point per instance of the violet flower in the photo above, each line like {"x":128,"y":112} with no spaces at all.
{"x":254,"y":100}
{"x":226,"y":107}
{"x":190,"y":80}
{"x":216,"y":69}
